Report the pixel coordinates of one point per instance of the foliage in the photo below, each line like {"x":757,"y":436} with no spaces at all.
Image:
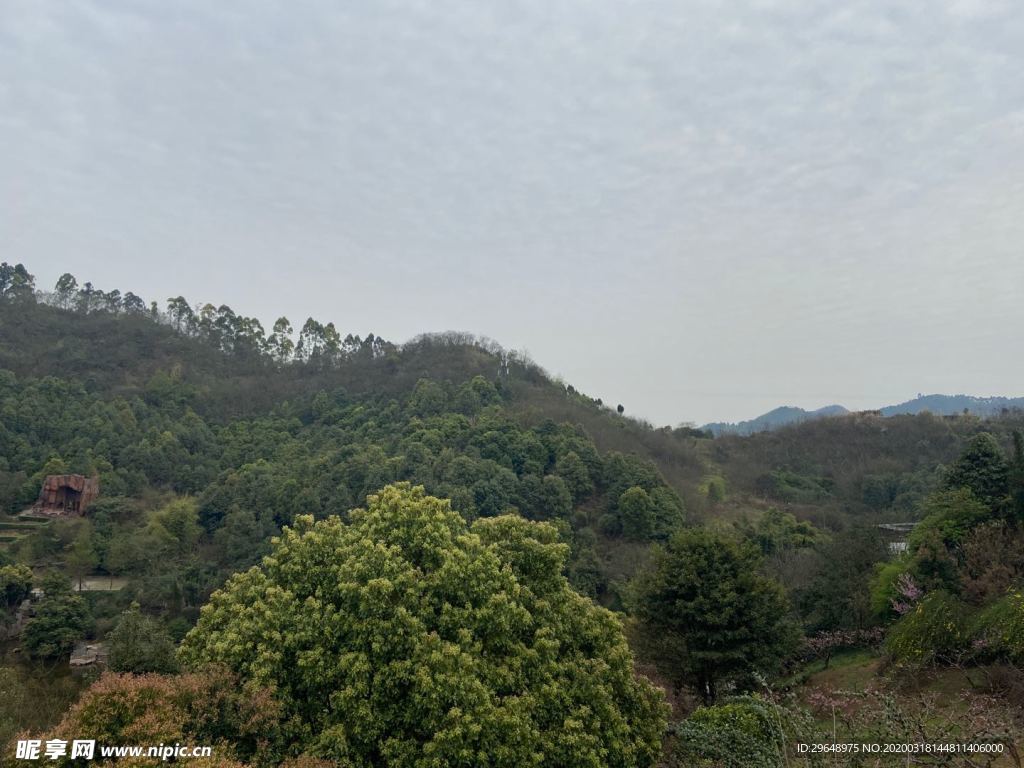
{"x":406,"y":635}
{"x":999,"y":629}
{"x":574,"y":472}
{"x":320,"y":452}
{"x":708,"y":615}
{"x":899,"y":492}
{"x":32,"y":701}
{"x":983,"y":469}
{"x":209,"y":707}
{"x":636,"y":511}
{"x":139,"y":644}
{"x":1015,"y":478}
{"x":15,"y":584}
{"x":950,"y":514}
{"x":839,"y":594}
{"x":936,"y":630}
{"x":785,"y":485}
{"x":991,"y":561}
{"x":741,"y":732}
{"x":61,"y":619}
{"x":777,"y":531}
{"x":210,"y":436}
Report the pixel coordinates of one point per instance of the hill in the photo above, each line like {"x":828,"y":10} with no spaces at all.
{"x":216,"y":444}
{"x":948,"y":405}
{"x":941,"y":405}
{"x":778,"y":417}
{"x":202,"y":402}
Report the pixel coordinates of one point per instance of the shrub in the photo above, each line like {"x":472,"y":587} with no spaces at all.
{"x":935,"y":630}
{"x":745,"y":731}
{"x":999,"y":630}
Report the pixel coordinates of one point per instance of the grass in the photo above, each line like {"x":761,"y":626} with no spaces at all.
{"x":846,"y":668}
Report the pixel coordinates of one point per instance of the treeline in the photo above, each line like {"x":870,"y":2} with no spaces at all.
{"x":220,"y":326}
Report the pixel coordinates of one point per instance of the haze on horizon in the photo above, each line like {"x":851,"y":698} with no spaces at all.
{"x":699,"y":210}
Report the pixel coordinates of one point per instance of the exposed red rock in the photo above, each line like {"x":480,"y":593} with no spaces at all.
{"x":66,"y":495}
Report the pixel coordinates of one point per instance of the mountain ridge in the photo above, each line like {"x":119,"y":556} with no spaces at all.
{"x":939,"y":404}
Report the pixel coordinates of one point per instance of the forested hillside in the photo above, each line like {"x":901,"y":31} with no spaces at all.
{"x":439,"y":549}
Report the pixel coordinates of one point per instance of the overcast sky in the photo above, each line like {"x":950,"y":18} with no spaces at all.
{"x":699,"y":209}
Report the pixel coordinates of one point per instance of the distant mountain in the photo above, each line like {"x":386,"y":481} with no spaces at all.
{"x":943,"y":405}
{"x":946,"y":405}
{"x":774,"y":419}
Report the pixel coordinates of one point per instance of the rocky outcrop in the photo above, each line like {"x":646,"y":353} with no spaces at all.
{"x":66,"y":495}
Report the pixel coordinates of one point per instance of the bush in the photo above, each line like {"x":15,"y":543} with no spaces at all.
{"x":936,"y":629}
{"x":745,"y":731}
{"x":139,"y":644}
{"x":999,"y":630}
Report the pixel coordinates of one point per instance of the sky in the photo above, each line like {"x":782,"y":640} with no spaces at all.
{"x":701,"y":210}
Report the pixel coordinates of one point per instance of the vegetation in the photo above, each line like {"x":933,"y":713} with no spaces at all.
{"x":139,"y":644}
{"x":61,"y":619}
{"x":708,"y":616}
{"x":335,"y":549}
{"x":408,"y":635}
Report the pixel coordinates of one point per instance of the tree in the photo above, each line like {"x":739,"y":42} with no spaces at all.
{"x":15,"y":584}
{"x":208,"y":707}
{"x":133,"y":305}
{"x":951,"y":515}
{"x":667,"y":510}
{"x":407,"y":635}
{"x":637,"y":512}
{"x":839,"y":593}
{"x":707,"y":615}
{"x":86,"y":300}
{"x":181,"y":313}
{"x":555,"y":499}
{"x":311,"y":341}
{"x":428,"y":398}
{"x":65,"y":290}
{"x":82,"y":558}
{"x":139,"y":644}
{"x":61,"y":619}
{"x":573,"y":471}
{"x":174,"y":530}
{"x":982,"y":468}
{"x":16,"y":284}
{"x":112,"y":302}
{"x":776,"y":531}
{"x":280,"y":343}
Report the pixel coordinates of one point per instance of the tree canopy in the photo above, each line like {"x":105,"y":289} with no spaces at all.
{"x":709,"y":615}
{"x":410,"y":637}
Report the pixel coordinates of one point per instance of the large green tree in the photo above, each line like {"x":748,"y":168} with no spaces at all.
{"x":708,"y":615}
{"x":406,"y":637}
{"x":61,"y":619}
{"x":982,"y":468}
